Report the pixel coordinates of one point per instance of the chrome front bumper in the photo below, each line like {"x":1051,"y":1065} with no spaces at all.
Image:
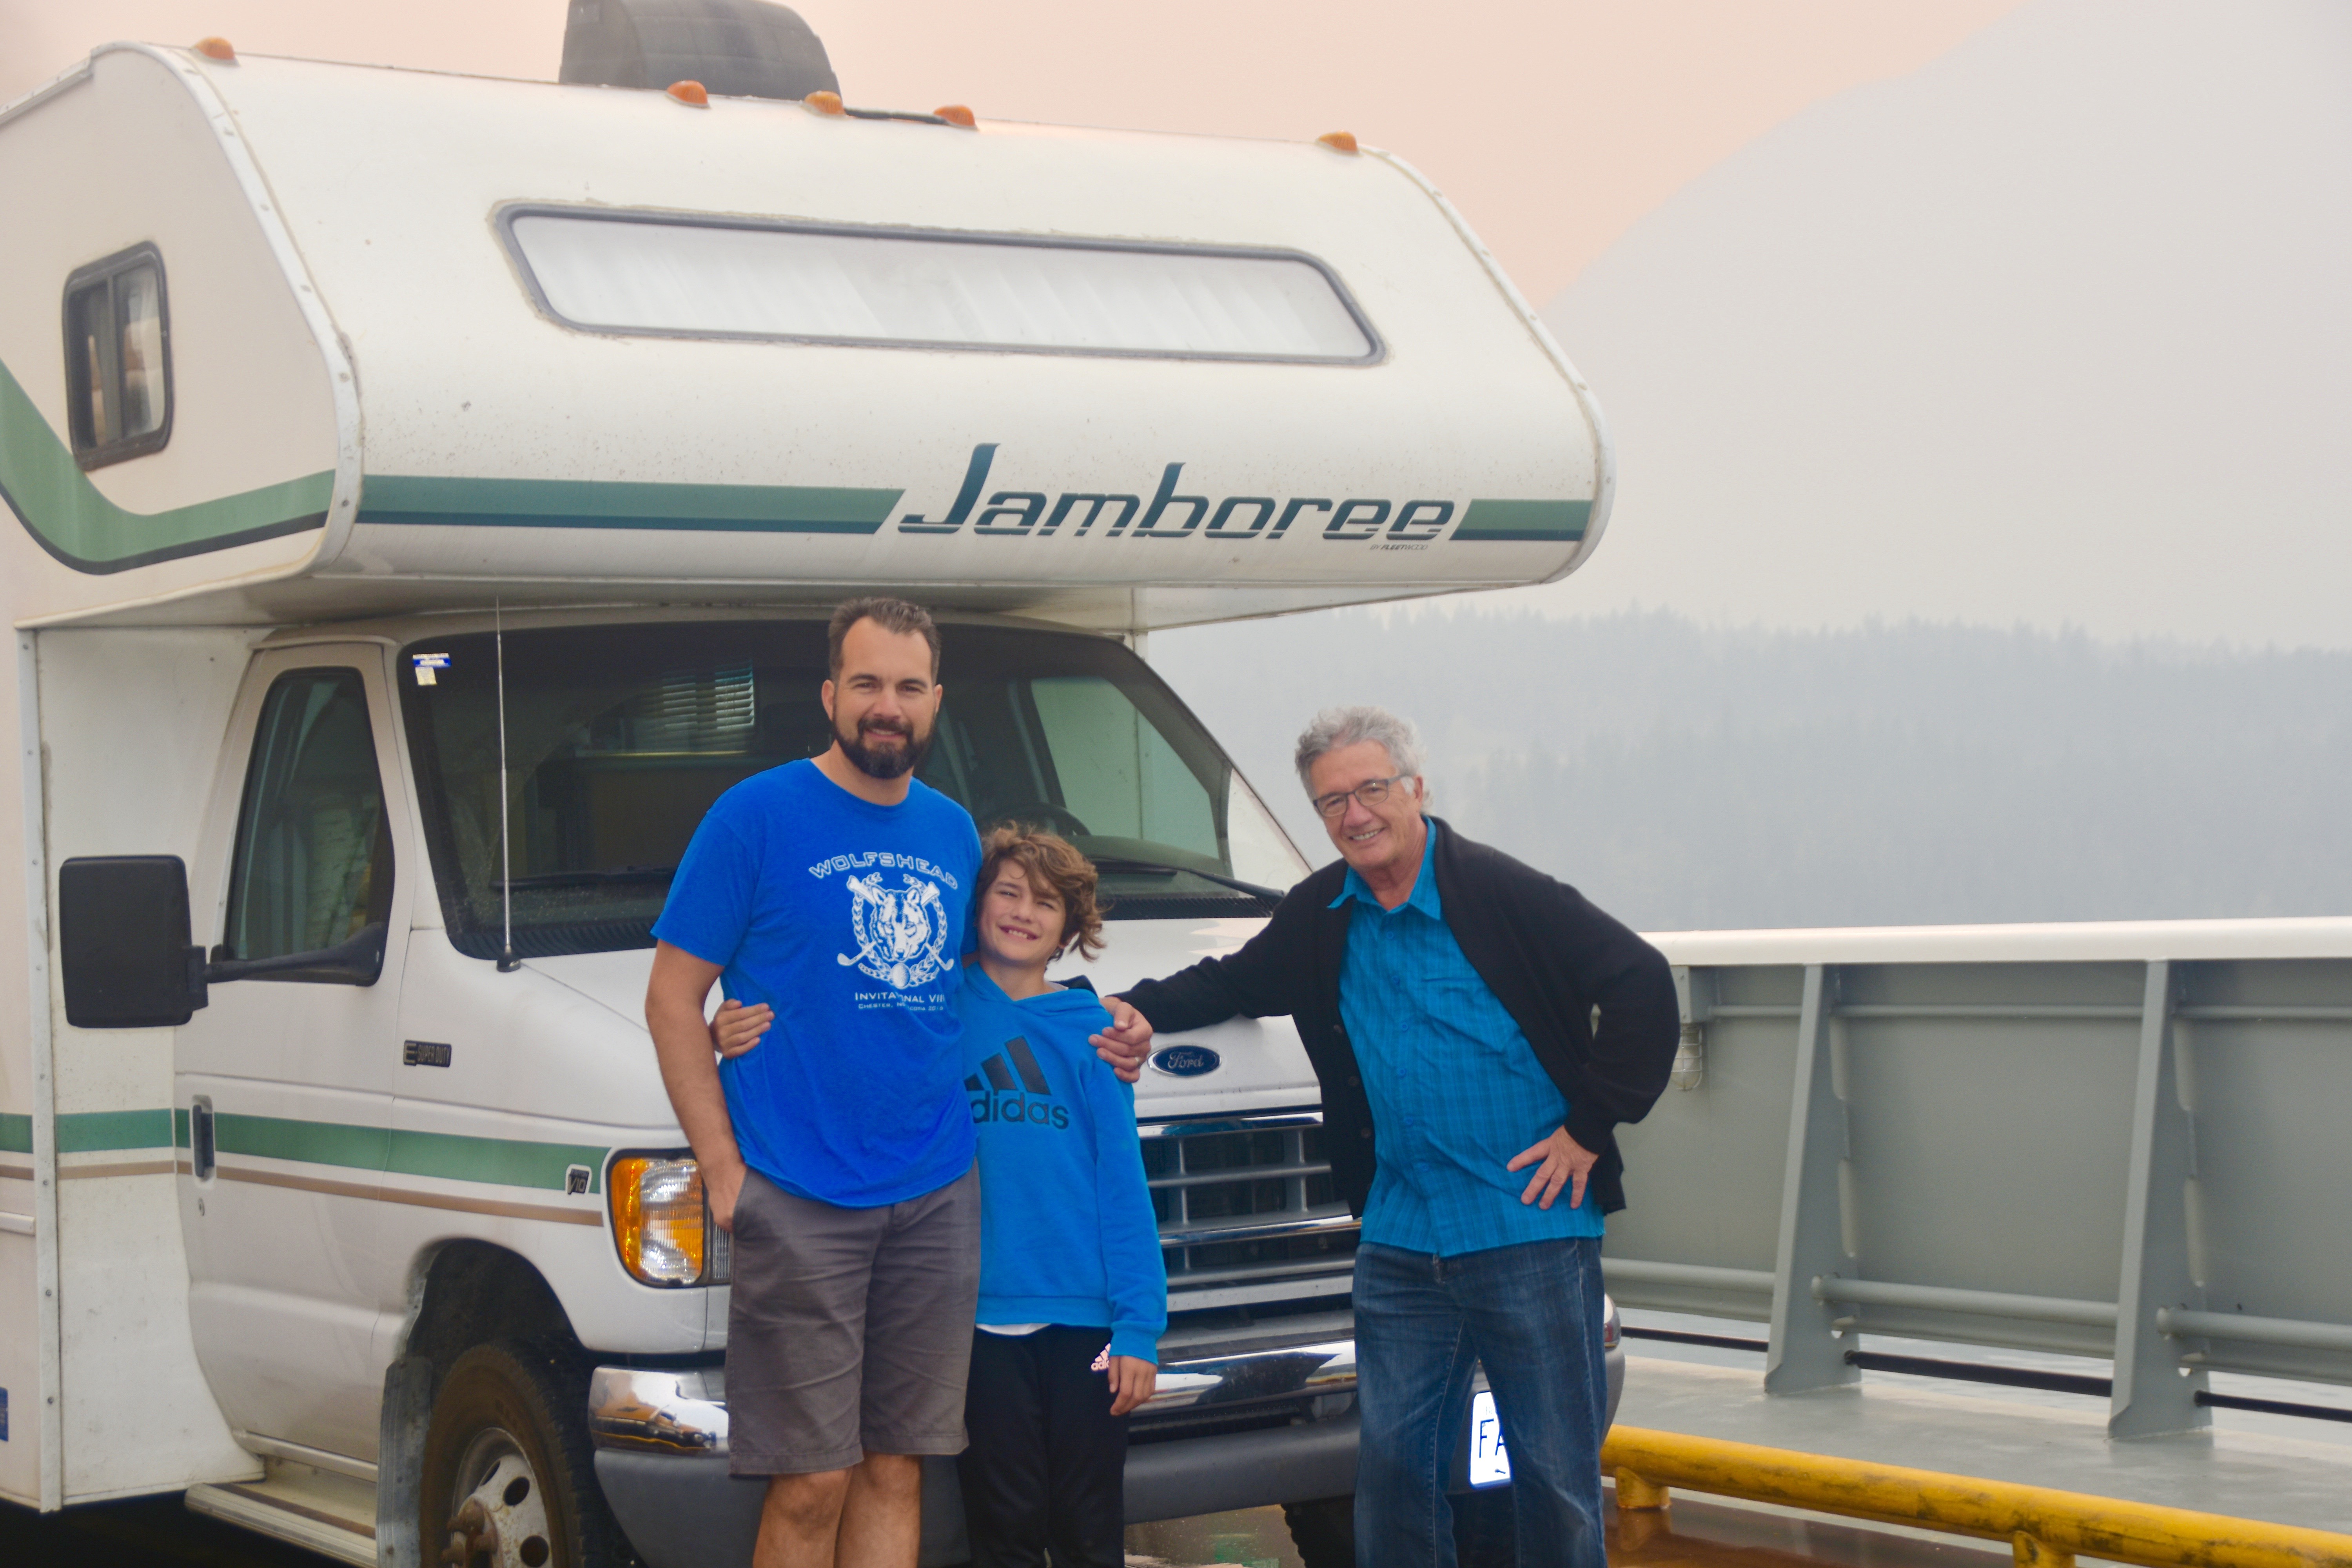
{"x":644,"y":1410}
{"x":1229,"y":1431}
{"x":660,"y":1436}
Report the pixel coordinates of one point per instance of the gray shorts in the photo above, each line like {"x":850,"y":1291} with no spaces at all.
{"x":849,"y":1330}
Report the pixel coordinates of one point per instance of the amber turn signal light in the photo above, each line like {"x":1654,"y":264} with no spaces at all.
{"x":219,"y":49}
{"x":956,"y":114}
{"x":690,"y":92}
{"x":823,"y":103}
{"x":659,"y":1222}
{"x":1338,"y":141}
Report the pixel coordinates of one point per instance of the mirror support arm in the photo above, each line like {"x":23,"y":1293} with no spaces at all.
{"x":359,"y":961}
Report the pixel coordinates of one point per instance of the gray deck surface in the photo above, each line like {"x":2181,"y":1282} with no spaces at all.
{"x":2285,"y":1469}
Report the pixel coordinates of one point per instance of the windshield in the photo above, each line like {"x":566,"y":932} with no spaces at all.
{"x":620,"y":737}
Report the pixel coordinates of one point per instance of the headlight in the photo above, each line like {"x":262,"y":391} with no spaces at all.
{"x":1611,"y":1331}
{"x":661,"y":1222}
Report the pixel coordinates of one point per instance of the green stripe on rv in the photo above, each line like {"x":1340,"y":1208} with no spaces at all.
{"x":1542,"y":521}
{"x":91,"y":1132}
{"x":98,"y":1131}
{"x":59,"y":506}
{"x":447,"y":1156}
{"x":591,"y":503}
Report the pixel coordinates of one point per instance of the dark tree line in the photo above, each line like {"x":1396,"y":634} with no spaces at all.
{"x":1689,"y":777}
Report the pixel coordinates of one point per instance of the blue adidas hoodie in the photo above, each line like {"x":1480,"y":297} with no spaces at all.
{"x":1067,"y":1232}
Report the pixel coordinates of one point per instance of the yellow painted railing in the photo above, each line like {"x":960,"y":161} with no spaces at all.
{"x":2044,"y":1527}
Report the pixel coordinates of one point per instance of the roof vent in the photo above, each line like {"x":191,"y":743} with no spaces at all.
{"x":736,"y":48}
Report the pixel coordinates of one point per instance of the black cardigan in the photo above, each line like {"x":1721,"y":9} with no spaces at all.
{"x":1549,"y":957}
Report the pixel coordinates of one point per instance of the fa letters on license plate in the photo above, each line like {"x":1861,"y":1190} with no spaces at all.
{"x":1490,"y":1462}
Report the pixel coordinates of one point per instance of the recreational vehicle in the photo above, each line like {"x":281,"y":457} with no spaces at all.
{"x":425,"y":495}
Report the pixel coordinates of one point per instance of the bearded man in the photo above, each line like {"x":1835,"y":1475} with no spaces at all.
{"x":835,"y":894}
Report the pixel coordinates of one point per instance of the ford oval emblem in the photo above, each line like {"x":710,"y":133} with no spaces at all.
{"x":1187,"y":1061}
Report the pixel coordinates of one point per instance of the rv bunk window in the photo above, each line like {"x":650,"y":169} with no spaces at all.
{"x":656,"y":275}
{"x":619,"y":738}
{"x":118,"y":358}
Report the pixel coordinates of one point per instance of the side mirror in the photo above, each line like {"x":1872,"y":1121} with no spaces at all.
{"x":123,"y":942}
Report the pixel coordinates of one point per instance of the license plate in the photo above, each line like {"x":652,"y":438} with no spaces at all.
{"x":1490,"y":1462}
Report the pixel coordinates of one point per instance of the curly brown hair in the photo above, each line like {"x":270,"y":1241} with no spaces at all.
{"x":1049,"y":861}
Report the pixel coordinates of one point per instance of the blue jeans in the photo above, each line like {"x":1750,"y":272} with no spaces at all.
{"x":1532,"y":1315}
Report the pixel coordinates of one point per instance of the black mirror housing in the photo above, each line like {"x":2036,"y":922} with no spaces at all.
{"x":123,"y":942}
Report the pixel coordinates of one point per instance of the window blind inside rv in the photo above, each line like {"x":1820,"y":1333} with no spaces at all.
{"x":619,"y":274}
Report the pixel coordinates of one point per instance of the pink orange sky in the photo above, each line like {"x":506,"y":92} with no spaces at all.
{"x":1553,"y":124}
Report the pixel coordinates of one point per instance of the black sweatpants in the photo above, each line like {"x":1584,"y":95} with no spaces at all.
{"x":1047,"y":1461}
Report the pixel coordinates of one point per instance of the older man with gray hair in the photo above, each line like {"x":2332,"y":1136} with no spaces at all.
{"x":1448,"y":995}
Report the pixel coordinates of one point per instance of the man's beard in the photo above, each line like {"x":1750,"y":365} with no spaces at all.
{"x":904,"y":758}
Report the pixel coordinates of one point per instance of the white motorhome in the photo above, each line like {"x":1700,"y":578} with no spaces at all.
{"x":430,"y":505}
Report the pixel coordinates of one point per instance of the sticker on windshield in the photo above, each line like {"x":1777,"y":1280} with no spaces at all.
{"x":426,"y":663}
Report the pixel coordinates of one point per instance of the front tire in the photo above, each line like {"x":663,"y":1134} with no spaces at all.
{"x":1485,"y":1535}
{"x":1324,"y":1532}
{"x":509,"y":1478}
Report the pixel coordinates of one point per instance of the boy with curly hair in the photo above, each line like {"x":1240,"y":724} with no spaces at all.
{"x":1073,"y":1293}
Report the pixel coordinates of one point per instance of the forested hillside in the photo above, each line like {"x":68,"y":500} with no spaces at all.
{"x":1688,"y":777}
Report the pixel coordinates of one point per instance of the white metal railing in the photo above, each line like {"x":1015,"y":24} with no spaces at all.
{"x":2121,"y":1141}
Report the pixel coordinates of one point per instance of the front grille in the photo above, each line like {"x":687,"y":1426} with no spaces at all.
{"x":1240,"y":1200}
{"x":1214,"y":1421}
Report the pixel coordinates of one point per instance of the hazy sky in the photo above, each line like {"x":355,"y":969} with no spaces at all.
{"x":2054,"y":330}
{"x":1553,"y":124}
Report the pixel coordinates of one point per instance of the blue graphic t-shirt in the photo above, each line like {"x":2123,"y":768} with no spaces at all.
{"x":848,"y":918}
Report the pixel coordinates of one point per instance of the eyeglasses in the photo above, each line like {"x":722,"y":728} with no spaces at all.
{"x":1371,"y":792}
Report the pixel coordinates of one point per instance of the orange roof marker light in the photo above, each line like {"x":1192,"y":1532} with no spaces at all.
{"x":824,"y":102}
{"x":219,"y":49}
{"x":956,"y":114}
{"x":1338,"y":141}
{"x":692,"y":93}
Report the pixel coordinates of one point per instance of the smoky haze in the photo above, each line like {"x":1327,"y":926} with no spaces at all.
{"x":1981,"y":464}
{"x":2054,"y":329}
{"x":1695,"y":778}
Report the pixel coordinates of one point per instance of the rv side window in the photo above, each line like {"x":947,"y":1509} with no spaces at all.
{"x":667,"y":277}
{"x":118,"y":358}
{"x":313,"y":863}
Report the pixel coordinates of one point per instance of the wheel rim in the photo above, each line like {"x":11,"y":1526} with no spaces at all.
{"x":498,"y":1518}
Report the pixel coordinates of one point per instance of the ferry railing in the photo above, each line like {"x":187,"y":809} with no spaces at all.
{"x":2124,"y":1141}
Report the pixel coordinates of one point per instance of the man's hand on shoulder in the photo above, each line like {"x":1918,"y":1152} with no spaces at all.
{"x":1126,"y":1044}
{"x":1561,"y":1160}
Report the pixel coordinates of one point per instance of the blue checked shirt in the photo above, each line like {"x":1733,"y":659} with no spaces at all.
{"x":1455,"y":1087}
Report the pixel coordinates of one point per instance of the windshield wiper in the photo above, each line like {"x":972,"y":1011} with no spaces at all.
{"x":1119,"y":863}
{"x":587,"y":878}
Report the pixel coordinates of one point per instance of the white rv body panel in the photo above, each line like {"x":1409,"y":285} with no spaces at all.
{"x":507,"y":453}
{"x":132,"y":722}
{"x":128,"y":155}
{"x":28,"y":1231}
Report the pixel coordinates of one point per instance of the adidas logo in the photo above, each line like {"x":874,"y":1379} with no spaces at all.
{"x":1003,"y":1100}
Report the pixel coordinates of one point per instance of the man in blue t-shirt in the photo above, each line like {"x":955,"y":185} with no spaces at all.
{"x":838,"y":893}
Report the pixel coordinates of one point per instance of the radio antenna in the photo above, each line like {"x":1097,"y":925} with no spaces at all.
{"x":508,"y":963}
